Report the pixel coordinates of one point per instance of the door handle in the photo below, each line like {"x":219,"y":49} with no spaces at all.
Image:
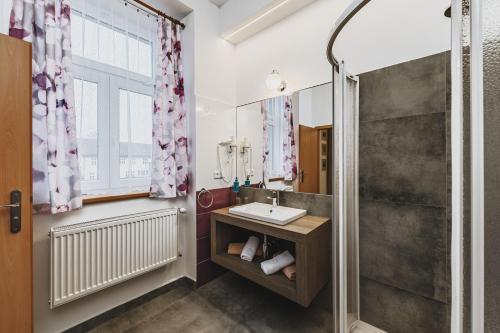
{"x":10,"y":206}
{"x":15,"y":211}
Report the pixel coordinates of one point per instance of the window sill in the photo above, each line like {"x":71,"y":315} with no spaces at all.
{"x":276,"y":179}
{"x":93,"y":199}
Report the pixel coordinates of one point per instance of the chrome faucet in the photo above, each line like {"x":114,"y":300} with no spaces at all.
{"x":276,"y":198}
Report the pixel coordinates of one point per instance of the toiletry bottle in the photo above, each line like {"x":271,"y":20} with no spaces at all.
{"x":247,"y":182}
{"x":236,"y":185}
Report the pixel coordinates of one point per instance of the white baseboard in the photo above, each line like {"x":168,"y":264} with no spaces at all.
{"x":362,"y":327}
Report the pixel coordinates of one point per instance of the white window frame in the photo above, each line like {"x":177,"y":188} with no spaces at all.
{"x":110,"y":80}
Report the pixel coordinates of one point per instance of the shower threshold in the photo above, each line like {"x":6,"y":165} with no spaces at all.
{"x":362,"y":327}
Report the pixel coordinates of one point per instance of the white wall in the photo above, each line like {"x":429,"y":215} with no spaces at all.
{"x":392,"y":32}
{"x":5,"y":7}
{"x":216,"y":123}
{"x":215,"y":61}
{"x":215,"y":90}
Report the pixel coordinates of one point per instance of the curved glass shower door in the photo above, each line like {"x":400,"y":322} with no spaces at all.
{"x":392,"y":189}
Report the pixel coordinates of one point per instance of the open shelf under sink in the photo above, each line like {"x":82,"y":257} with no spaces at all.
{"x":308,"y":238}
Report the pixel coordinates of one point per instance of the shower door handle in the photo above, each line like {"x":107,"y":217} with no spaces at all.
{"x":15,"y":211}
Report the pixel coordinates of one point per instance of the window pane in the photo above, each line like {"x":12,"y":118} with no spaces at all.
{"x":91,"y":38}
{"x":133,"y":54}
{"x":120,"y":49}
{"x":86,"y":128}
{"x":106,"y":47}
{"x":145,"y":56}
{"x":135,"y":167}
{"x":141,"y":109}
{"x":139,"y":53}
{"x":88,"y":168}
{"x":135,"y":141}
{"x":77,"y":34}
{"x":107,"y":44}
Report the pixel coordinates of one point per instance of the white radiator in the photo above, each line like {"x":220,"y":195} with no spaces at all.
{"x":88,"y":257}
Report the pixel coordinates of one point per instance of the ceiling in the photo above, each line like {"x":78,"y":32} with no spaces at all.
{"x":218,"y":3}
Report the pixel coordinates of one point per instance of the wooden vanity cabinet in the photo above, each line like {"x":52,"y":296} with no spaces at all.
{"x":310,"y":236}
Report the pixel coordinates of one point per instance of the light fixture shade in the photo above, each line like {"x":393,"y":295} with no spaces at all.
{"x":273,"y":80}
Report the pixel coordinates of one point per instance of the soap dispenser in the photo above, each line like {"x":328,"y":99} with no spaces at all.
{"x":247,"y":182}
{"x":236,"y":185}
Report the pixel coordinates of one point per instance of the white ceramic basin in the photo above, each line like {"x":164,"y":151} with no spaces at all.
{"x":264,"y":212}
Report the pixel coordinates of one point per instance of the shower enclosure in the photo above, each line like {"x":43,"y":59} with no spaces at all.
{"x":415,"y":181}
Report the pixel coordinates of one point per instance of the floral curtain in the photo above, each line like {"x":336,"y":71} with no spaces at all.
{"x":265,"y":142}
{"x":170,"y":143}
{"x":56,"y":176}
{"x":289,"y":149}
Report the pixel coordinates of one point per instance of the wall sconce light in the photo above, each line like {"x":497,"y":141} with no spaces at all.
{"x":274,"y":81}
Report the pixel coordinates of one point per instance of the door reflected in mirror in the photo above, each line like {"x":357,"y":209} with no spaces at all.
{"x":285,"y":142}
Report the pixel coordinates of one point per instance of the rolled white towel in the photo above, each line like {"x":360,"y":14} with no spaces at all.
{"x":250,"y":248}
{"x":277,"y":263}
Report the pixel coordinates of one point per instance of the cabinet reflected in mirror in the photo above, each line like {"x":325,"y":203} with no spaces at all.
{"x":285,"y":142}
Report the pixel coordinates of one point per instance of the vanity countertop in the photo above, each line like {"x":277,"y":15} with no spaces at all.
{"x":295,"y":230}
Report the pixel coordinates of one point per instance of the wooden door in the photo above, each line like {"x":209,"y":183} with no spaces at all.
{"x":16,"y":285}
{"x":308,"y":159}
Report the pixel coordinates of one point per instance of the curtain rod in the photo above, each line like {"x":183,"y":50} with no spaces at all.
{"x":155,"y":11}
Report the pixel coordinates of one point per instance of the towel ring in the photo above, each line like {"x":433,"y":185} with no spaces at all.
{"x":205,"y":191}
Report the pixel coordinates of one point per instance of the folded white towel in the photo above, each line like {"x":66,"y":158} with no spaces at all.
{"x":250,"y":248}
{"x":277,"y":263}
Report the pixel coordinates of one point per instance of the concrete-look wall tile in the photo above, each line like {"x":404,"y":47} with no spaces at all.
{"x":404,"y":160}
{"x":404,"y":246}
{"x":412,"y":88}
{"x":251,"y":194}
{"x":315,"y":204}
{"x":397,"y":311}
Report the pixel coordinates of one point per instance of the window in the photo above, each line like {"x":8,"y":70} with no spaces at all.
{"x":275,"y":119}
{"x":113,"y":81}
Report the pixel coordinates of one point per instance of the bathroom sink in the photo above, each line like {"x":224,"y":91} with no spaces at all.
{"x":264,"y":212}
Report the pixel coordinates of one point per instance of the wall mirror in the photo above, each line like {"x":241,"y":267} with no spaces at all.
{"x":285,"y":142}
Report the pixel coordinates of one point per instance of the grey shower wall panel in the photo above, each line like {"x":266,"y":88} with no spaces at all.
{"x":398,"y":311}
{"x":404,"y":160}
{"x":404,"y":246}
{"x":408,"y":89}
{"x":404,"y":196}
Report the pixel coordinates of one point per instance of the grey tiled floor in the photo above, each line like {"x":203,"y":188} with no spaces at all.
{"x":227,"y":304}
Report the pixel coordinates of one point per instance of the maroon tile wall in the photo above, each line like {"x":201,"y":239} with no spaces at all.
{"x":206,"y":269}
